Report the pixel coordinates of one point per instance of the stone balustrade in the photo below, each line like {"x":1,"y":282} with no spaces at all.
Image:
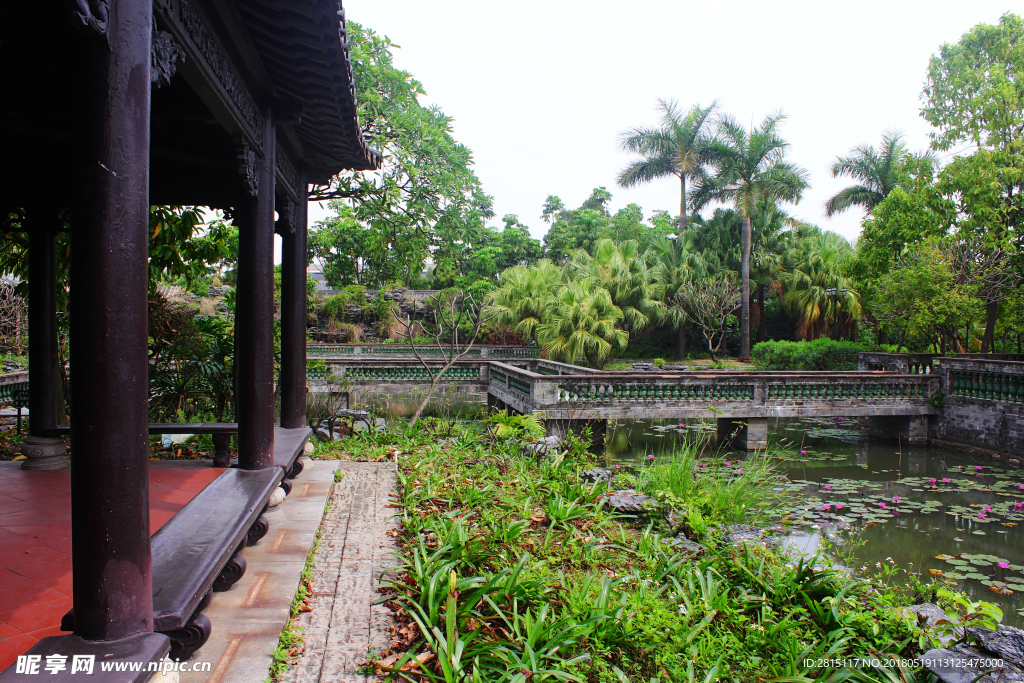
{"x":405,"y":351}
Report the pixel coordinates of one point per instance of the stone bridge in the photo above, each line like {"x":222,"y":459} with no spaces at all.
{"x":566,"y":395}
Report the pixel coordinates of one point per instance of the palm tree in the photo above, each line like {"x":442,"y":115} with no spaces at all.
{"x":581,"y":321}
{"x":629,"y":279}
{"x":679,"y":147}
{"x":818,"y":262}
{"x":749,"y":167}
{"x":524,"y":293}
{"x":879,"y":172}
{"x":678,"y":262}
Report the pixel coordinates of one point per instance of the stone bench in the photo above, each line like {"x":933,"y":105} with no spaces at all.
{"x":198,"y":552}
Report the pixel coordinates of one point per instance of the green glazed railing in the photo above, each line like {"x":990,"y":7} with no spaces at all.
{"x":782,"y":392}
{"x":655,"y":392}
{"x":996,"y":386}
{"x":458,"y":374}
{"x":14,"y":395}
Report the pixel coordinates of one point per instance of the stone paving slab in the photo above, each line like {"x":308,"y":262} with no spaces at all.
{"x":353,"y":553}
{"x":248,"y":619}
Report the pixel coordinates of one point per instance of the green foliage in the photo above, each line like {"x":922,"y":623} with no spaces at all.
{"x":513,"y":570}
{"x":820,"y":354}
{"x":504,"y":426}
{"x":182,"y":245}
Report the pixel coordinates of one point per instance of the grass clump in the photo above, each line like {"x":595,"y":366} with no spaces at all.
{"x":512,"y":568}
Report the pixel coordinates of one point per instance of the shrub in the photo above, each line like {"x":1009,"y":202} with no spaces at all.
{"x":820,"y":354}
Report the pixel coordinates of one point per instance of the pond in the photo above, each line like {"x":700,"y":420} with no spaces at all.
{"x":882,"y":507}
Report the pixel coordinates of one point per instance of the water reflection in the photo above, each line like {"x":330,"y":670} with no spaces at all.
{"x":923,"y":510}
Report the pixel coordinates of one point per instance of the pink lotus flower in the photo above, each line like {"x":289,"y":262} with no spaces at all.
{"x":826,"y":507}
{"x":979,"y":468}
{"x":618,"y":466}
{"x":932,"y":481}
{"x":987,"y":508}
{"x":1022,"y":487}
{"x":728,"y":464}
{"x":739,"y":471}
{"x":896,"y":499}
{"x":803,"y":452}
{"x":650,"y":456}
{"x":945,"y":480}
{"x":981,"y":515}
{"x":828,"y":487}
{"x":839,"y":506}
{"x":1003,"y":565}
{"x":881,"y":505}
{"x":1019,"y":505}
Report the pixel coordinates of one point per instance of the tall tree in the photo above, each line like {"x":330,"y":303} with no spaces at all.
{"x":877,"y":172}
{"x":679,"y":147}
{"x":975,"y":95}
{"x":749,"y":166}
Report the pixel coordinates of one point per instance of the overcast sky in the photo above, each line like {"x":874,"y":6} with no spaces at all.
{"x":542,"y":91}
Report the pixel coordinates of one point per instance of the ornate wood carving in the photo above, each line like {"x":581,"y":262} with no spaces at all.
{"x":183,"y":16}
{"x":192,"y":636}
{"x":287,"y":175}
{"x":257,"y":531}
{"x":230,"y":574}
{"x":165,"y":52}
{"x":90,"y":15}
{"x":247,"y":167}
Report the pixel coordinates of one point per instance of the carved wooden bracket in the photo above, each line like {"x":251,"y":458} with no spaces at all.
{"x":164,"y":52}
{"x":248,"y":167}
{"x":90,"y":15}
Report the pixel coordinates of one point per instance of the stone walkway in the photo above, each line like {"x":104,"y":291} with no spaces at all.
{"x":353,"y":552}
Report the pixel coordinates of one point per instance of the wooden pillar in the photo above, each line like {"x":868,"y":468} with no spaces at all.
{"x":113,"y":592}
{"x":293,"y":316}
{"x":254,"y":308}
{"x":43,"y":452}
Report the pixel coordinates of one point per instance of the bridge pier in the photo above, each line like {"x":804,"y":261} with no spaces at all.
{"x":910,"y":429}
{"x":744,"y":434}
{"x":560,"y":428}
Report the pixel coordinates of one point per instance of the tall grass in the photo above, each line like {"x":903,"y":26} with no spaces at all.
{"x":714,"y":487}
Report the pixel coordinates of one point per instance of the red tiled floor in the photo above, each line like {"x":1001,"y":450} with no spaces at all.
{"x":10,"y":648}
{"x":35,"y":537}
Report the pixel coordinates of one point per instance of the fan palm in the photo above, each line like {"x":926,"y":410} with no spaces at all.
{"x":678,"y":148}
{"x":524,"y":294}
{"x":629,"y":279}
{"x":878,"y":172}
{"x":817,"y":262}
{"x":581,"y":321}
{"x":749,"y":167}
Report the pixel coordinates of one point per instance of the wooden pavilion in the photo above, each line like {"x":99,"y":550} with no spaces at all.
{"x":110,"y":106}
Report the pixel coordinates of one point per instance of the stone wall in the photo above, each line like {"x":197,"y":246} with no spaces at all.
{"x":984,"y":404}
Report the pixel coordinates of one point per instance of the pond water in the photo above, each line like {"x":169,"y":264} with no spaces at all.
{"x":883,"y":507}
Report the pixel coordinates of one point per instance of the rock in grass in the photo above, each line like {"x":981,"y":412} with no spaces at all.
{"x":963,"y":663}
{"x":686,"y":546}
{"x":547,"y":446}
{"x":628,"y":501}
{"x":595,"y":475}
{"x":928,"y":614}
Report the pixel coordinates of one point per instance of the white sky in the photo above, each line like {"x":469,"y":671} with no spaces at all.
{"x":541,"y":91}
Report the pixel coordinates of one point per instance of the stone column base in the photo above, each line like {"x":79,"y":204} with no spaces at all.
{"x":743,"y":433}
{"x":44,"y":453}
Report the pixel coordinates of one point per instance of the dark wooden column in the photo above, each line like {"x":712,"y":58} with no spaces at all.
{"x":113,"y":592}
{"x":254,"y":305}
{"x":44,"y":453}
{"x":293,"y":316}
